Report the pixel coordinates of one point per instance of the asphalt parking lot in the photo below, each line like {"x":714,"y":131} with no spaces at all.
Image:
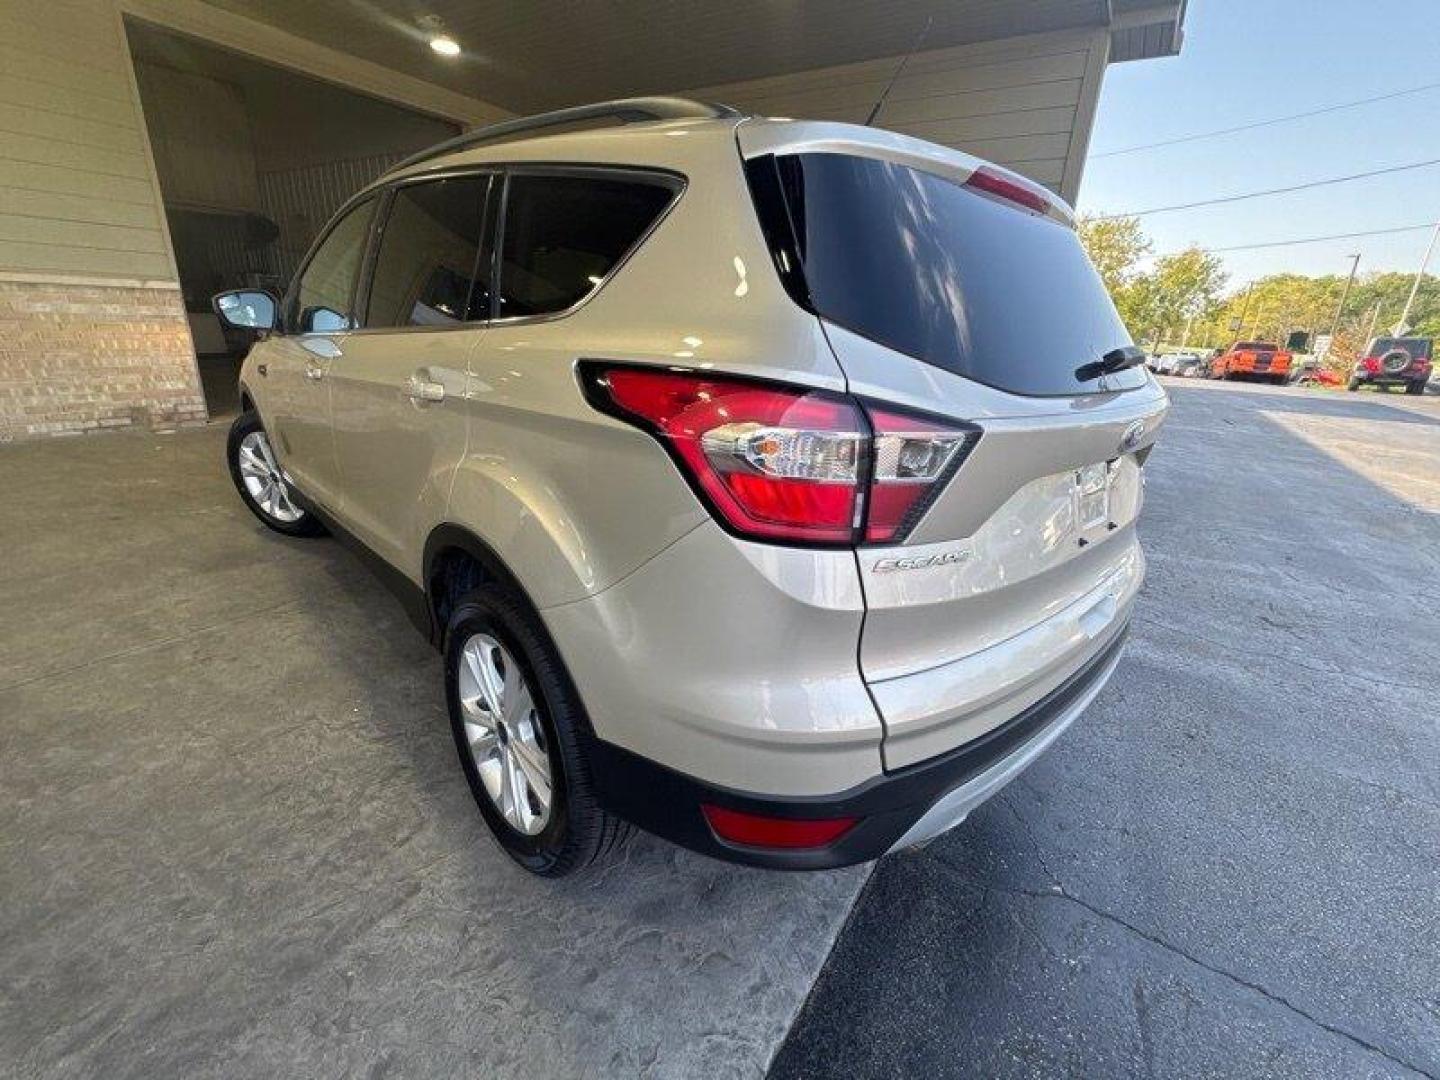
{"x":234,"y":840}
{"x":1231,"y":865}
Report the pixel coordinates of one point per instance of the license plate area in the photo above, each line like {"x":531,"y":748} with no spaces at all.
{"x":1091,"y":492}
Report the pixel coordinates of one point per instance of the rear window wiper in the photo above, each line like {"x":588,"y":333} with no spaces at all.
{"x":1126,"y":356}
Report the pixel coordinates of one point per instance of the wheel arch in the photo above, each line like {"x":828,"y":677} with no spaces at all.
{"x":456,"y":561}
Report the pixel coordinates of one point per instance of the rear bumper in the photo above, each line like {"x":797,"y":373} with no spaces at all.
{"x":1404,"y":378}
{"x":895,"y":810}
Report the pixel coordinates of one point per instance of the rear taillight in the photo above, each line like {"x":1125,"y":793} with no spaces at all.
{"x":1372,"y":364}
{"x":785,"y":463}
{"x":913,"y":458}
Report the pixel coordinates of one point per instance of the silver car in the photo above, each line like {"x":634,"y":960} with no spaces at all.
{"x":769,"y":485}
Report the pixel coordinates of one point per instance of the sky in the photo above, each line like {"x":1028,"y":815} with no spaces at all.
{"x":1247,"y":60}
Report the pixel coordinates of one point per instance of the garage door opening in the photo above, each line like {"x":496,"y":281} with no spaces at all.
{"x":252,"y":161}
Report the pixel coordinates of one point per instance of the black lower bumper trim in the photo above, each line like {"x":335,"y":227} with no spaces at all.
{"x":667,"y":803}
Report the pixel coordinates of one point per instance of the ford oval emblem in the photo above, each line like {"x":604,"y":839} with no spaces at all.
{"x":1133,"y":434}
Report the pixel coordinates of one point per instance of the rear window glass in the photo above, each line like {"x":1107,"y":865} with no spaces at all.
{"x":947,"y":275}
{"x":1253,"y":346}
{"x":564,"y":234}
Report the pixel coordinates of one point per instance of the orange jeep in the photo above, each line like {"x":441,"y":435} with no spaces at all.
{"x":1252,"y":359}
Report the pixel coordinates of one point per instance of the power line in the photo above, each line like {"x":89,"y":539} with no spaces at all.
{"x":1305,"y":240}
{"x":1265,"y":123}
{"x":1269,"y":191}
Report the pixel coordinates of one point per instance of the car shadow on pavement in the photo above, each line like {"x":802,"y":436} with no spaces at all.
{"x":658,"y":959}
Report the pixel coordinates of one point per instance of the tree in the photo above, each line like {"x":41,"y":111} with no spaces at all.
{"x":1115,"y":246}
{"x":1186,"y":287}
{"x":1182,"y":287}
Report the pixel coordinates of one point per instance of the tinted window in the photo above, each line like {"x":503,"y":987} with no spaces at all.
{"x":564,"y":234}
{"x":950,"y":276}
{"x":429,"y":269}
{"x":322,"y":298}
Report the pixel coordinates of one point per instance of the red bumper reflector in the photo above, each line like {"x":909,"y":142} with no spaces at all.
{"x":756,"y":830}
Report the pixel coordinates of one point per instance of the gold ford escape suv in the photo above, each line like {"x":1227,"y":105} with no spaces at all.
{"x":769,"y":485}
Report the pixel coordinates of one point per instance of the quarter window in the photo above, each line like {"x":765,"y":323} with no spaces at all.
{"x":430,"y":269}
{"x":323,"y":298}
{"x":564,"y":234}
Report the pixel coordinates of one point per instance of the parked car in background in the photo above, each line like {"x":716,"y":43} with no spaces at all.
{"x":1395,"y":361}
{"x":724,"y":524}
{"x":1188,"y":366}
{"x":1168,"y":361}
{"x":1252,"y":360}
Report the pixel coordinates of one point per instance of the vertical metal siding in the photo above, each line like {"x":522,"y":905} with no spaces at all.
{"x":300,"y":201}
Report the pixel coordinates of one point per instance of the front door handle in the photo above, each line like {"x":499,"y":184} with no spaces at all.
{"x":315,"y":373}
{"x":424,"y":390}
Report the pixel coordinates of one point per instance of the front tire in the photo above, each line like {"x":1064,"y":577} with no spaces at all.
{"x":519,"y":728}
{"x":261,"y":482}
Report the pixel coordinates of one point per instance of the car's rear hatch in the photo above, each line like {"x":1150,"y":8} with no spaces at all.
{"x":973,"y":303}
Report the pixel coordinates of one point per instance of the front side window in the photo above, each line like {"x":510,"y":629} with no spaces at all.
{"x":564,"y":234}
{"x":322,"y":300}
{"x":430,"y":269}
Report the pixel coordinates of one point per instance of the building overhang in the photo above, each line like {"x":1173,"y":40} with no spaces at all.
{"x":1144,"y":30}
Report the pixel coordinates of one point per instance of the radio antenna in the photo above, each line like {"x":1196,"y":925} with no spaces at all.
{"x":899,"y":70}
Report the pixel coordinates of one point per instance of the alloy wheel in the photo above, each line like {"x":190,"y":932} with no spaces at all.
{"x":264,"y":480}
{"x":504,"y":734}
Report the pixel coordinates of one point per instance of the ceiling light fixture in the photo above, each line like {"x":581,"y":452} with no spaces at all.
{"x":445,"y":46}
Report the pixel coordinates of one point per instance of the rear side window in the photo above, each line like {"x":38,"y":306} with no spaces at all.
{"x":430,"y":269}
{"x":564,"y":234}
{"x":945,"y":274}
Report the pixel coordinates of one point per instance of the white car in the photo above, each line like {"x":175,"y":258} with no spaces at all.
{"x":1169,"y":362}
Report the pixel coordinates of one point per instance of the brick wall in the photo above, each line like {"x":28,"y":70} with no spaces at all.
{"x":81,"y":358}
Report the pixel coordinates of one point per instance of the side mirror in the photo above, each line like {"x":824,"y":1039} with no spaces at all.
{"x":247,"y":309}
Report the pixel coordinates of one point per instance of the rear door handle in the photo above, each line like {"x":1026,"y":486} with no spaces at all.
{"x":424,"y":390}
{"x":316,"y":373}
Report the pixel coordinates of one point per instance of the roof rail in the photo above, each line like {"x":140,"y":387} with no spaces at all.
{"x":627,"y":110}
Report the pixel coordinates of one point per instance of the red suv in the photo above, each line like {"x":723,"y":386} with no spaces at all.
{"x":1395,"y":361}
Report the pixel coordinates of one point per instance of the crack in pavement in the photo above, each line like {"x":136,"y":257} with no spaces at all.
{"x":1061,"y":893}
{"x":1289,"y":661}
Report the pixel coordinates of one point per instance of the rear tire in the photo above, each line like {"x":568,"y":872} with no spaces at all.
{"x":1415,"y":386}
{"x":261,"y":482}
{"x":1353,"y":385}
{"x":573,"y":830}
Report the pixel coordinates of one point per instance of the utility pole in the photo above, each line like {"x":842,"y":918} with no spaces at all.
{"x":1369,"y":331}
{"x":1344,"y":295}
{"x":1404,"y":320}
